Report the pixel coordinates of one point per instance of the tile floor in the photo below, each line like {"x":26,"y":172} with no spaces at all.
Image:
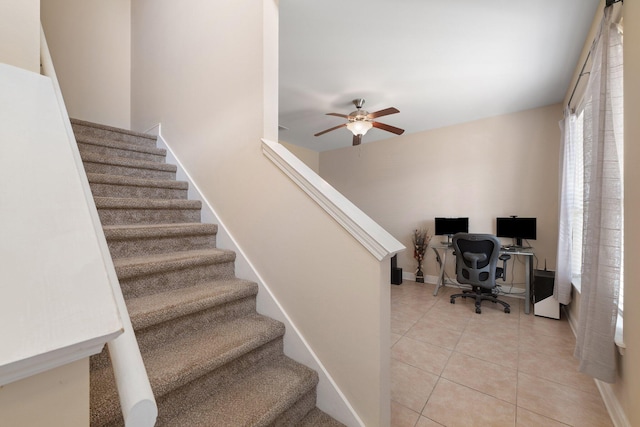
{"x":453,"y":367}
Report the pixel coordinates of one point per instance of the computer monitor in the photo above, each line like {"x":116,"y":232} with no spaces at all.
{"x":450,"y":226}
{"x":516,"y":228}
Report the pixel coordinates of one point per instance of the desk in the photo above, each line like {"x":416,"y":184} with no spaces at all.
{"x":441,"y":250}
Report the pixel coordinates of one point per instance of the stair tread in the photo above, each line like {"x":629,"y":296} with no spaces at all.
{"x":317,"y":418}
{"x":141,"y":265}
{"x":255,"y":400}
{"x":195,"y":354}
{"x":121,"y":145}
{"x":112,"y":128}
{"x":161,"y":307}
{"x":126,"y":161}
{"x":133,"y":231}
{"x":102,"y":178}
{"x":136,"y":203}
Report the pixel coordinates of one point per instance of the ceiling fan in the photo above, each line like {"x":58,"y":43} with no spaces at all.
{"x":360,"y":121}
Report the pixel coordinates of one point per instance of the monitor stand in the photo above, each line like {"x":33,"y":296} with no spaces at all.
{"x":448,"y":242}
{"x":518,"y":244}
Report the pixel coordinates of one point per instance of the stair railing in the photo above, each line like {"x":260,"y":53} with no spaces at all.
{"x":138,"y":404}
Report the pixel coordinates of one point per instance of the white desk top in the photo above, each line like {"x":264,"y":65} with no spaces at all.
{"x":512,"y":250}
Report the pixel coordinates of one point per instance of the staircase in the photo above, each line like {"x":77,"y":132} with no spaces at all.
{"x":212,"y":360}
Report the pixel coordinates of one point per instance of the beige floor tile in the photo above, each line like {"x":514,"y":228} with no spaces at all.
{"x":411,"y":308}
{"x":428,"y":357}
{"x":543,"y":326}
{"x":499,"y":331}
{"x":501,"y":352}
{"x":401,"y":416}
{"x":395,"y":338}
{"x":454,"y":405}
{"x":400,"y":326}
{"x":547,"y":344}
{"x":480,"y":375}
{"x":426,"y":422}
{"x":410,"y":386}
{"x":428,"y":376}
{"x":448,"y":318}
{"x":560,"y":369}
{"x":440,"y":336}
{"x":525,"y":418}
{"x":561,"y":403}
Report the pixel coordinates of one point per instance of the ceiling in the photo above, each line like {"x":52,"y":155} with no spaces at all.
{"x":439,"y":62}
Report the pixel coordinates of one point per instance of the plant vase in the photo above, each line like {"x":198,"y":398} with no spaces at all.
{"x":420,"y":241}
{"x":419,"y":274}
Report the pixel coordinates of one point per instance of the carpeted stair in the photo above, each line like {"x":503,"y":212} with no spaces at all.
{"x":212,"y":360}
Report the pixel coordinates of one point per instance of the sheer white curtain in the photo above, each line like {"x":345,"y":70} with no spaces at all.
{"x":568,"y":170}
{"x":603,"y":192}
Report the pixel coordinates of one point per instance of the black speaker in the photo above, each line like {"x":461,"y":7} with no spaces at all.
{"x":396,"y":273}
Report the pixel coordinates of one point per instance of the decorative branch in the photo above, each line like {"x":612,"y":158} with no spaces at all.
{"x":421,"y":239}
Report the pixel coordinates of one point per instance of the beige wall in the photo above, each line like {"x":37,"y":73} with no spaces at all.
{"x":90,"y":43}
{"x":309,"y":157}
{"x":58,"y":397}
{"x":20,"y":34}
{"x":500,"y":166}
{"x":629,"y":385}
{"x":200,"y":72}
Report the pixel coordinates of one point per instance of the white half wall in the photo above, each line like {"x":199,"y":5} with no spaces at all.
{"x":200,"y":71}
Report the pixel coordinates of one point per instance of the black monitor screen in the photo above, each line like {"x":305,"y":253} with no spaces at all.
{"x":517,"y":228}
{"x":451,"y":226}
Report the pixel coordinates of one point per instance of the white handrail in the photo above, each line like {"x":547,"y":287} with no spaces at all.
{"x":372,"y":236}
{"x":138,"y":404}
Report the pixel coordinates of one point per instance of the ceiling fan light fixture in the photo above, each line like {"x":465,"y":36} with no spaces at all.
{"x":359,"y":127}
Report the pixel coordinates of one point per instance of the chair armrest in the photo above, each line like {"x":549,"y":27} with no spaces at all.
{"x":503,"y":271}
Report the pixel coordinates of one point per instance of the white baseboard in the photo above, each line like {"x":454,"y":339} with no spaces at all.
{"x":611,"y":402}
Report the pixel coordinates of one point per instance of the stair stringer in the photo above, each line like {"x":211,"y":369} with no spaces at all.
{"x":330,"y":398}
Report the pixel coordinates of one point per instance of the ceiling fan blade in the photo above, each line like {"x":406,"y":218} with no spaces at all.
{"x":388,"y":128}
{"x":344,"y":116}
{"x":385,"y":112}
{"x":357,"y":139}
{"x":330,"y":129}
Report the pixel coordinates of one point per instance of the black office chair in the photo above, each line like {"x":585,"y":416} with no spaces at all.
{"x":477,"y":257}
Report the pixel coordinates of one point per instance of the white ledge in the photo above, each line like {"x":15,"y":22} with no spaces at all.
{"x":370,"y":234}
{"x":43,"y":362}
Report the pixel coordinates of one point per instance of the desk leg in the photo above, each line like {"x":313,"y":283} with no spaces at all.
{"x":442,"y":261}
{"x":527,"y":290}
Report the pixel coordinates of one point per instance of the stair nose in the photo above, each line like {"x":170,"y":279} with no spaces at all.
{"x":114,"y":211}
{"x":158,"y":273}
{"x":84,"y":128}
{"x":147,"y":239}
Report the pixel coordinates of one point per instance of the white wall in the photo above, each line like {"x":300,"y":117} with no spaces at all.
{"x":199,"y":71}
{"x":20,"y":33}
{"x":500,"y":166}
{"x":309,"y":157}
{"x":90,"y":43}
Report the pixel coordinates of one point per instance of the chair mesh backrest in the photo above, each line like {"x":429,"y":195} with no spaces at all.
{"x":468,"y":246}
